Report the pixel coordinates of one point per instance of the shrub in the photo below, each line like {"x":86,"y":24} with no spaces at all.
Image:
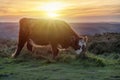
{"x":104,"y":47}
{"x":98,"y":47}
{"x":7,"y":47}
{"x":116,"y":46}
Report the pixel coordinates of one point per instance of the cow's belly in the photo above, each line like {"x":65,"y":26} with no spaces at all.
{"x":40,"y":42}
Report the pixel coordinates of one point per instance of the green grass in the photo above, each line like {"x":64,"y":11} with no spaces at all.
{"x":92,"y":68}
{"x":26,"y":67}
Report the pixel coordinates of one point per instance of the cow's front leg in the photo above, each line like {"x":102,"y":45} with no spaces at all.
{"x":55,"y":51}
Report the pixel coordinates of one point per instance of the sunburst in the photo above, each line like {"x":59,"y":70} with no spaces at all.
{"x":52,"y":8}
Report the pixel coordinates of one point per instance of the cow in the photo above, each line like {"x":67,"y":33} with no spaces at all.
{"x":48,"y":32}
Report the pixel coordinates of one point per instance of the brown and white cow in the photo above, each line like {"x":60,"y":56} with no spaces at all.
{"x":48,"y":31}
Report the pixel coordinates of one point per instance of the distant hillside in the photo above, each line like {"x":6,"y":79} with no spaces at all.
{"x":93,"y":28}
{"x":10,"y":30}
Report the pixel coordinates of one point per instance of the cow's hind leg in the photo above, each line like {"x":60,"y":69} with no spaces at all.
{"x":21,"y":44}
{"x":55,"y":51}
{"x":18,"y":50}
{"x":23,"y":37}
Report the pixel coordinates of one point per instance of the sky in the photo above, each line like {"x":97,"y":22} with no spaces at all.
{"x":70,"y":10}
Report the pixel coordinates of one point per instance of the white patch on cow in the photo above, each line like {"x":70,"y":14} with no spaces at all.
{"x":81,"y":44}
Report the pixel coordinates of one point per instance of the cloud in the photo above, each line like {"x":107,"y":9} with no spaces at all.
{"x":75,"y":9}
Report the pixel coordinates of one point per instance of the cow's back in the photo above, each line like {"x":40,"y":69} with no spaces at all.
{"x":43,"y":31}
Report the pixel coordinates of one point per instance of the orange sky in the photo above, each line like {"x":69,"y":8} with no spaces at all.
{"x":71,"y":10}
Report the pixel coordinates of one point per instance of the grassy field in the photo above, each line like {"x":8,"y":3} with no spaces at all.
{"x":98,"y":66}
{"x":92,"y":68}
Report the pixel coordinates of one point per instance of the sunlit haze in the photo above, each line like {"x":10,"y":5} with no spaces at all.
{"x":70,"y":10}
{"x":51,"y":8}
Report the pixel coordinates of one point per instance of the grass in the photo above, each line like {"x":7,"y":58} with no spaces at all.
{"x":92,"y":68}
{"x":26,"y":67}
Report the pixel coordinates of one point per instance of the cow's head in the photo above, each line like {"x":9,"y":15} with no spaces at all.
{"x":79,"y":44}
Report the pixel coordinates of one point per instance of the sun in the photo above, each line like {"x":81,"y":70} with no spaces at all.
{"x":52,"y":6}
{"x":52,"y":15}
{"x":51,"y":9}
